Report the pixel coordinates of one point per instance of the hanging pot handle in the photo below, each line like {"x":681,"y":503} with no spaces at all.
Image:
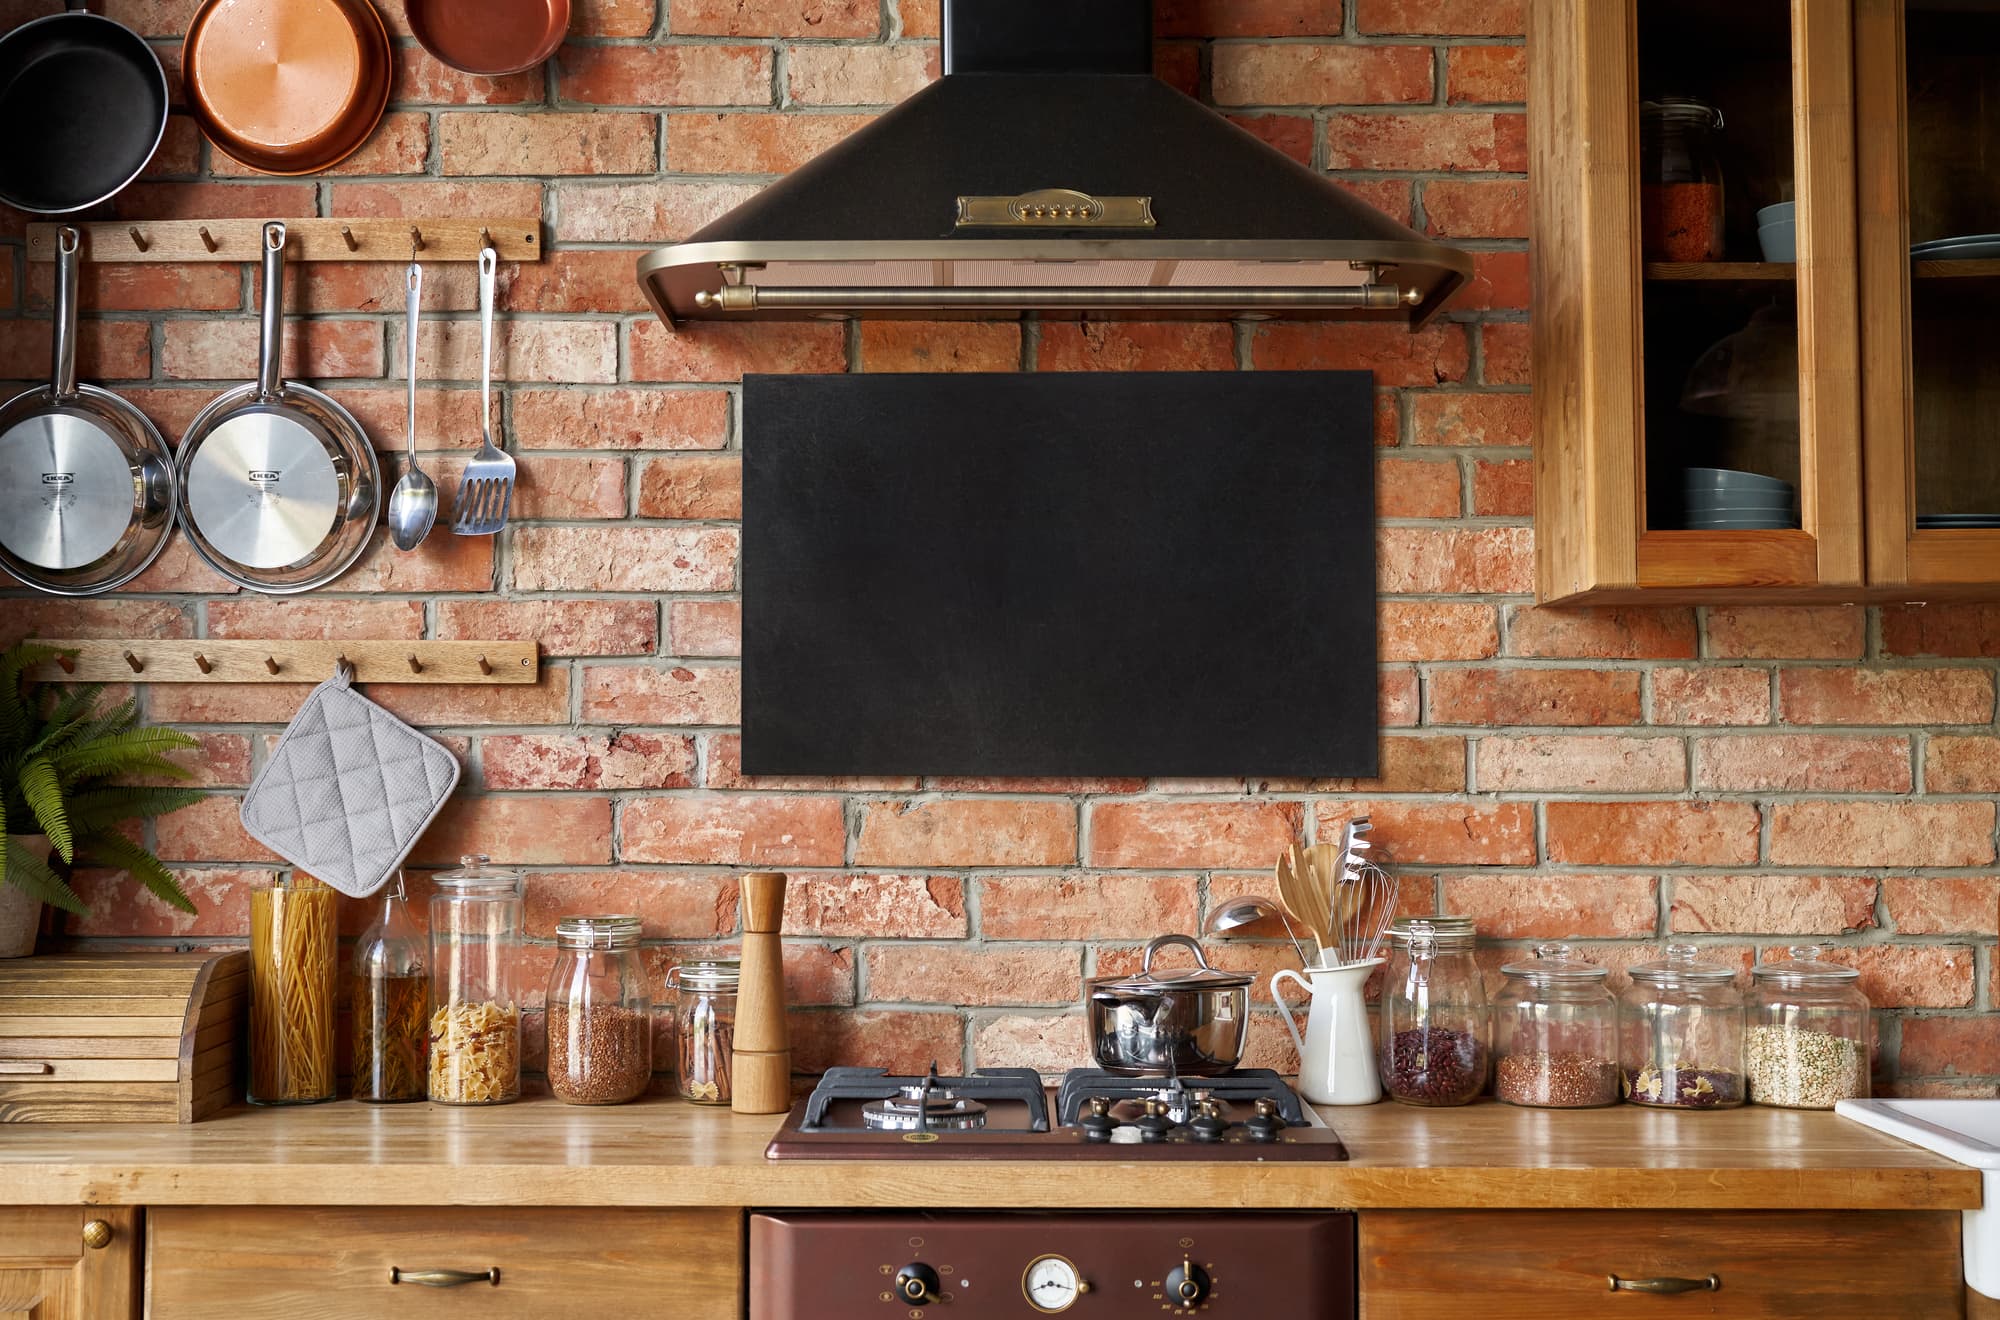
{"x":62,"y":379}
{"x":1285,"y":1009}
{"x":1161,"y":942}
{"x":271,"y":321}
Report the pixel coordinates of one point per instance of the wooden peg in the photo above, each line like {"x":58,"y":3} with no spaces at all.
{"x":270,"y":665}
{"x":415,"y":667}
{"x":201,"y":662}
{"x":416,"y":241}
{"x":485,"y":668}
{"x":68,"y":663}
{"x":347,"y":237}
{"x":208,"y":239}
{"x":138,"y":239}
{"x":485,"y":237}
{"x":138,"y":665}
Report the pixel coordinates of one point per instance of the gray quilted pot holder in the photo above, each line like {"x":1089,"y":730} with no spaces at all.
{"x":349,"y":790}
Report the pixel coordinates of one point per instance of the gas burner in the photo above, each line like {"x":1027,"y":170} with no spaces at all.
{"x":1126,"y":1098}
{"x":924,"y":1107}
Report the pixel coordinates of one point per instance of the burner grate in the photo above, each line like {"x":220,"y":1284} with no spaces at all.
{"x":1245,"y":1086}
{"x":1022,"y":1085}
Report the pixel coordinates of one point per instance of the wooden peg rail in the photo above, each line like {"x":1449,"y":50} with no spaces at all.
{"x":515,"y":238}
{"x":241,"y":661}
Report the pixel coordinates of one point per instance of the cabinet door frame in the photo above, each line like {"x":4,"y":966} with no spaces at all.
{"x":1587,"y":318}
{"x":104,"y":1281}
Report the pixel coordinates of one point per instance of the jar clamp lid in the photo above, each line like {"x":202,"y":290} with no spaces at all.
{"x":1682,"y":964}
{"x":1805,"y":964}
{"x":477,"y":877}
{"x":1439,"y":926}
{"x":713,"y":976}
{"x":1555,"y":962}
{"x":598,"y":932}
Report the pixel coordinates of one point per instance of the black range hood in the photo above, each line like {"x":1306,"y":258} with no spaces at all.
{"x":1049,"y":171}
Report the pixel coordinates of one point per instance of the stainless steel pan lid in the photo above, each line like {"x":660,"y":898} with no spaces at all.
{"x":280,"y":488}
{"x":86,"y":482}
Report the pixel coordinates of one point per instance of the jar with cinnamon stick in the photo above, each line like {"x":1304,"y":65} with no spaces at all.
{"x":704,"y":1028}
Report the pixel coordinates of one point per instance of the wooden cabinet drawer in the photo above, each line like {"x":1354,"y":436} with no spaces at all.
{"x":246,"y":1263}
{"x":1539,"y":1265}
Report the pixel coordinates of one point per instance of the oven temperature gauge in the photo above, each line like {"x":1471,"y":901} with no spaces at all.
{"x":1052,"y":1284}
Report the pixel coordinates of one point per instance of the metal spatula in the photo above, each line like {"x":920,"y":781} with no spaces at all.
{"x":487,"y":490}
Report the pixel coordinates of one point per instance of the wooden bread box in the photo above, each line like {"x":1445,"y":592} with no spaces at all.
{"x":120,"y":1038}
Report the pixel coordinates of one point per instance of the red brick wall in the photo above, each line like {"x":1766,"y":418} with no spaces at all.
{"x":1737,"y":775}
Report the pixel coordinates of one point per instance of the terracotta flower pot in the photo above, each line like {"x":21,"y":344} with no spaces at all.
{"x":20,"y":912}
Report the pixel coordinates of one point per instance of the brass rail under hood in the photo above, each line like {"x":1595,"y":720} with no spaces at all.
{"x":1048,"y":171}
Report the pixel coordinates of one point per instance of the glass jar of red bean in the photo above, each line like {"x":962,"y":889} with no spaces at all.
{"x":1555,"y":1033}
{"x":1680,"y":1033}
{"x":1434,"y":1024}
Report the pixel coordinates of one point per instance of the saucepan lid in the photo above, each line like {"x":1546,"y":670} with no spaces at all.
{"x":1147,"y":980}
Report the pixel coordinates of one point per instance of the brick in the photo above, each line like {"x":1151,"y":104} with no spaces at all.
{"x":214,"y":703}
{"x":1290,"y":133}
{"x":303,"y":618}
{"x":1825,"y":763}
{"x":1156,"y":835}
{"x":1416,"y":488}
{"x":773,"y":18}
{"x":671,"y":905}
{"x":1517,"y":907}
{"x":734,"y":829}
{"x":1461,"y":18}
{"x":1581,"y":763}
{"x":446,"y":418}
{"x":692,"y":487}
{"x":966,"y":832}
{"x":1388,"y":419}
{"x":553,"y":486}
{"x":179,"y":153}
{"x":946,"y":974}
{"x":913,"y":907}
{"x":418,"y":199}
{"x":903,"y":1042}
{"x":723,"y":757}
{"x":227,"y":350}
{"x":80,"y":618}
{"x":464,"y":563}
{"x":561,"y":627}
{"x":664,"y":75}
{"x":1476,"y":208}
{"x":213,"y":201}
{"x":751,"y":142}
{"x":569,"y":830}
{"x":1246,"y":18}
{"x":1397,"y":356}
{"x":1178,"y":65}
{"x":180,"y":569}
{"x":711,"y":351}
{"x":929,"y":346}
{"x":1436,"y":630}
{"x":120,"y":905}
{"x":1772,"y":904}
{"x":1950,"y":1046}
{"x":1018,"y":1040}
{"x":581,"y":352}
{"x":1498,"y":697}
{"x":859,"y":75}
{"x":1084,"y":905}
{"x":422,"y":80}
{"x":1397,"y":701}
{"x":628,"y":417}
{"x":1652,"y":833}
{"x":400,"y":144}
{"x":1961,"y":764}
{"x":1473,"y":419}
{"x":1903,"y":976}
{"x":1971,"y":630}
{"x":1392,"y":197}
{"x":1885,"y":696}
{"x":208,"y":831}
{"x":615,"y":18}
{"x":1442,"y":833}
{"x":1503,"y":488}
{"x":571,"y":281}
{"x":1409,"y":765}
{"x":1787,"y":632}
{"x":1943,"y":904}
{"x":471,"y":143}
{"x":1602,"y":633}
{"x":105,"y":350}
{"x":1464,"y":140}
{"x":1486,"y":75}
{"x":587,"y":761}
{"x":1136,"y":346}
{"x":1297,"y":73}
{"x":704,"y":627}
{"x":1506,"y":353}
{"x":646,"y":211}
{"x":1450,"y":560}
{"x":1900,"y":834}
{"x":112,"y":287}
{"x":625,"y":558}
{"x":1499,"y":281}
{"x":1066,"y":785}
{"x":1711,"y":695}
{"x":682,"y":694}
{"x":542,"y":702}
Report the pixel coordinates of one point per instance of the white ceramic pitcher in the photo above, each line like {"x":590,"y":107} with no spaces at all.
{"x":1337,"y":1056}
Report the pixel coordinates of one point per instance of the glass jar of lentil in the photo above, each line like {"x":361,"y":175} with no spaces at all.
{"x":1680,"y":1033}
{"x":600,"y":1013}
{"x":1680,"y":188}
{"x":1434,"y":1023}
{"x":1807,"y":1047}
{"x":1555,"y":1033}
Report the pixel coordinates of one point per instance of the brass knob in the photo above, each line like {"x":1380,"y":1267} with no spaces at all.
{"x":96,"y":1235}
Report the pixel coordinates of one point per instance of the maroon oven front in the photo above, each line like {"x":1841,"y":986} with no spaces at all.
{"x":839,"y":1266}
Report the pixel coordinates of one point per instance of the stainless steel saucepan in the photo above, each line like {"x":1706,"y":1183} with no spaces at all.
{"x":1188,"y":1023}
{"x":279,"y":487}
{"x":86,"y":482}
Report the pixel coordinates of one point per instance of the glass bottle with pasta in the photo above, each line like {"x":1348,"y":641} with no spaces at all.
{"x":390,"y":994}
{"x":475,"y":1006}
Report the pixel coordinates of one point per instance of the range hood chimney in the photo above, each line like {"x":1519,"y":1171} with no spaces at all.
{"x":1048,"y":171}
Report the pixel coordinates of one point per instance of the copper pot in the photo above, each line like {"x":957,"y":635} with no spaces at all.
{"x":491,"y":38}
{"x":287,"y":86}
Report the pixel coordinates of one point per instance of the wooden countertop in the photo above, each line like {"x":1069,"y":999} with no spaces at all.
{"x":666,"y":1153}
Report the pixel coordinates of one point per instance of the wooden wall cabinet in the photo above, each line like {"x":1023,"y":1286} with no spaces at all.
{"x":1888,"y":412}
{"x":69,"y":1263}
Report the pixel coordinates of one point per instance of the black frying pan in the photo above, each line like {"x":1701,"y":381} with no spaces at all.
{"x":84,"y":102}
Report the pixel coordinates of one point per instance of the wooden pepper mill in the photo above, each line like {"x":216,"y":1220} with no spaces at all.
{"x":761,"y":1058}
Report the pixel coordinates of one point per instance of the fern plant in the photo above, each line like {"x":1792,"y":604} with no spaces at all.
{"x":61,"y":763}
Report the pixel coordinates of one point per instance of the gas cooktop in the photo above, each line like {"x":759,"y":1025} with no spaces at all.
{"x":1007,"y":1114}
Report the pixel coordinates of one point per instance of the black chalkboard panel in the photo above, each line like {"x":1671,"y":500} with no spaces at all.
{"x":1091,"y":574}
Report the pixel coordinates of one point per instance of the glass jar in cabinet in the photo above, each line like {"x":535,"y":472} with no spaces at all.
{"x":1680,"y":191}
{"x":1555,"y":1033}
{"x":475,"y":1002}
{"x":704,"y":1027}
{"x":1681,"y":1033}
{"x":600,"y":1013}
{"x":1808,"y":1042}
{"x":1434,"y":1020}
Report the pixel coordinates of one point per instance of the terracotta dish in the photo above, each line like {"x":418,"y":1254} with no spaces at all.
{"x":287,"y":86}
{"x":489,"y":37}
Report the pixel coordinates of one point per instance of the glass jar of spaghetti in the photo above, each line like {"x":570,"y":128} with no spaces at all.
{"x":704,"y":1027}
{"x":1680,"y":190}
{"x":475,"y":1004}
{"x":294,"y":937}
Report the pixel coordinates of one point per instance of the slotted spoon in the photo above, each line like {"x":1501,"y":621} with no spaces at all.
{"x":487,"y":490}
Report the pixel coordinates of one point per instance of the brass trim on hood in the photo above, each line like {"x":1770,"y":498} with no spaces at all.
{"x":1056,"y":208}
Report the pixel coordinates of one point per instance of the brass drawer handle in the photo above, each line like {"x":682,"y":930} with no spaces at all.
{"x":97,"y":1235}
{"x":444,"y":1278}
{"x":1668,"y":1284}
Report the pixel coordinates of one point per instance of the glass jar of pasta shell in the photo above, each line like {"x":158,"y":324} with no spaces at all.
{"x":1808,"y":1042}
{"x":704,"y":1027}
{"x":1681,"y":1033}
{"x":475,"y":1001}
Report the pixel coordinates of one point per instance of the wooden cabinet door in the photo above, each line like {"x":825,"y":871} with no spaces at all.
{"x":68,"y":1263}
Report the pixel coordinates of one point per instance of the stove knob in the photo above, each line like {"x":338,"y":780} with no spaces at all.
{"x":1265,"y":1124}
{"x":1187,"y":1283}
{"x":917,"y":1284}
